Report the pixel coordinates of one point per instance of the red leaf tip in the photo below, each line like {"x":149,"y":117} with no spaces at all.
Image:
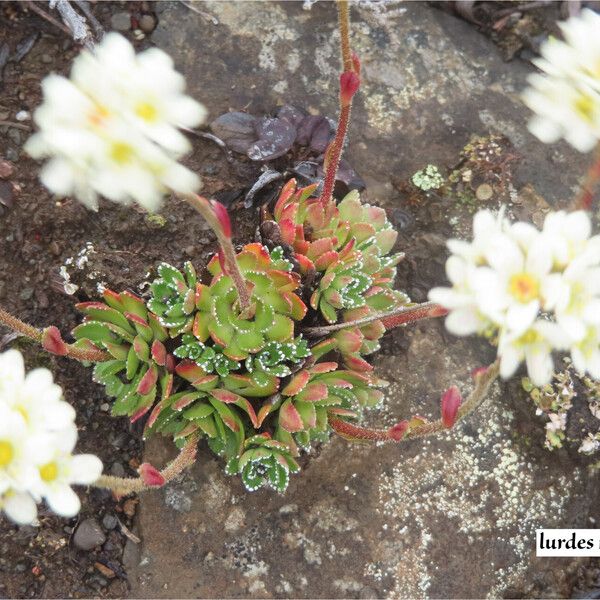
{"x":451,"y":401}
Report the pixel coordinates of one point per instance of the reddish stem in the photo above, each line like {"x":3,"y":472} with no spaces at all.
{"x":334,"y":154}
{"x":585,"y":197}
{"x":393,"y":318}
{"x":129,"y":485}
{"x":82,"y":354}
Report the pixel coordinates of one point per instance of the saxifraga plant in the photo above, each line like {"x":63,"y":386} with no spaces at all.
{"x":262,"y":353}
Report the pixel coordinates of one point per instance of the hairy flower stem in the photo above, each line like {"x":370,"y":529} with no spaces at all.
{"x":81,"y":354}
{"x":344,"y":26}
{"x":586,"y":194}
{"x":483,"y":383}
{"x":123,"y":486}
{"x":334,"y":152}
{"x":391,"y":319}
{"x":203,"y":206}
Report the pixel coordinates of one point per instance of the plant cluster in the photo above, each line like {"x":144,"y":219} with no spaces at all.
{"x":198,"y":362}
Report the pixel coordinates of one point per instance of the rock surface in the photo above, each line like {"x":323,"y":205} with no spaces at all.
{"x":88,"y":535}
{"x":453,"y":516}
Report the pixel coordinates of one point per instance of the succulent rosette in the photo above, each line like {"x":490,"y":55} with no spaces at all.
{"x":141,"y":369}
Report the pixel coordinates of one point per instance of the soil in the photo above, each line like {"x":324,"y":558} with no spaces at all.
{"x":120,"y":248}
{"x":37,"y":237}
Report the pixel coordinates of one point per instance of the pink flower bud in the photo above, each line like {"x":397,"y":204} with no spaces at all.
{"x":52,"y":341}
{"x":151,"y":476}
{"x":223,"y":217}
{"x":397,"y":431}
{"x":349,"y":84}
{"x":451,"y":401}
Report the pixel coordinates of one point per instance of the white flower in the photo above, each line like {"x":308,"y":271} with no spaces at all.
{"x":34,"y":396}
{"x":144,"y":88}
{"x":37,"y":437}
{"x":568,"y":234}
{"x":112,"y":129}
{"x":511,"y":275}
{"x":510,"y":289}
{"x":19,"y":452}
{"x":534,"y":346}
{"x":464,"y":317}
{"x":586,"y":352}
{"x":61,"y":469}
{"x":566,"y":99}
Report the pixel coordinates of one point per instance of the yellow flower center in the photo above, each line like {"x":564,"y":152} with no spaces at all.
{"x":6,"y":453}
{"x":49,"y":472}
{"x":121,"y":152}
{"x":523,"y":287}
{"x":584,"y":105}
{"x":146,"y":111}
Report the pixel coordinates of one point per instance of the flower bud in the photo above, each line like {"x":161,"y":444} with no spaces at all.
{"x":52,"y":341}
{"x":223,"y":217}
{"x":451,"y":401}
{"x":349,"y":84}
{"x":151,"y":476}
{"x":397,"y":431}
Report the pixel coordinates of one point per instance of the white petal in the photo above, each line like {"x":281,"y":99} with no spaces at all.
{"x":464,"y":321}
{"x":539,"y":366}
{"x":85,"y":469}
{"x":63,"y":501}
{"x":20,"y":507}
{"x":519,"y":317}
{"x":510,"y":358}
{"x":57,"y":175}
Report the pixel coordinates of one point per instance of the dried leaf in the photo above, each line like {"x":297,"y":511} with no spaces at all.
{"x":275,"y":137}
{"x":236,"y":129}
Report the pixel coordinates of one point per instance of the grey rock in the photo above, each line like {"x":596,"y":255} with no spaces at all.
{"x":88,"y":535}
{"x":121,"y":21}
{"x":109,"y":522}
{"x":117,"y":469}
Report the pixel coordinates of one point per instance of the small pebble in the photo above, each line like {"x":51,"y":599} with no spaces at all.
{"x":6,"y":169}
{"x":117,"y":469}
{"x":138,"y":34}
{"x":46,"y":59}
{"x":147,"y":23}
{"x":88,"y":535}
{"x":109,"y":522}
{"x":484,"y":192}
{"x":105,"y":407}
{"x":23,"y":115}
